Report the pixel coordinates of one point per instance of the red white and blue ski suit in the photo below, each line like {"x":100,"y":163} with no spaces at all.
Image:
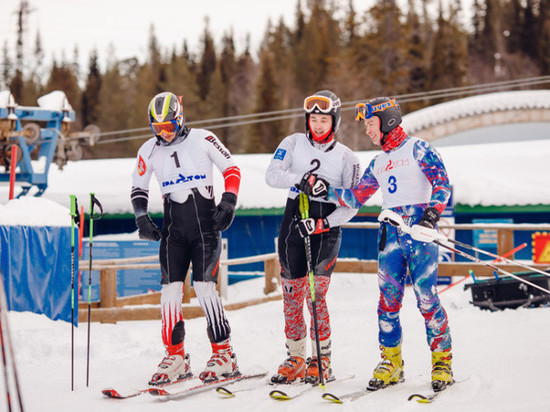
{"x":412,"y":177}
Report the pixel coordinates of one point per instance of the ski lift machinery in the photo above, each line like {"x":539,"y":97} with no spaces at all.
{"x":42,"y":135}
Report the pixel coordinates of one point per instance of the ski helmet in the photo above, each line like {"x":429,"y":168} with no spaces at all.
{"x":386,"y":109}
{"x":323,"y":102}
{"x":165,"y":114}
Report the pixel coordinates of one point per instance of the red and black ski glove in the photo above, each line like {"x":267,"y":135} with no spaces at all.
{"x":313,"y":185}
{"x":308,"y":227}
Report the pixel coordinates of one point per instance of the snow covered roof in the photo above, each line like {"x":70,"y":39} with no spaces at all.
{"x":475,"y":105}
{"x":506,"y":174}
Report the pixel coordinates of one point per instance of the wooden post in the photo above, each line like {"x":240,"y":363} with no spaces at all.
{"x":188,"y":291}
{"x":505,"y":239}
{"x":272,"y":278}
{"x":107,"y":289}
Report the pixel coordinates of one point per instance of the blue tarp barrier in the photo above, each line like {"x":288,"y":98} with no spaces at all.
{"x":36,"y":264}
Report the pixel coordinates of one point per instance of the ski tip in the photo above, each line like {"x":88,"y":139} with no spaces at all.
{"x":110,"y":393}
{"x":279,"y":395}
{"x":332,"y":398}
{"x":224,"y":391}
{"x":419,"y":398}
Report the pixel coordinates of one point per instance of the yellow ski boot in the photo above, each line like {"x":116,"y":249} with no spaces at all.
{"x":442,"y":374}
{"x":389,"y":371}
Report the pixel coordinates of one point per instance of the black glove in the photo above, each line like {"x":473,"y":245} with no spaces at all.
{"x":225,"y":211}
{"x":308,"y":227}
{"x":147,"y":229}
{"x":430,"y":218}
{"x":313,"y":185}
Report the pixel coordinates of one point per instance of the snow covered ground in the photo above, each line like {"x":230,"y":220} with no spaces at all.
{"x":504,"y":354}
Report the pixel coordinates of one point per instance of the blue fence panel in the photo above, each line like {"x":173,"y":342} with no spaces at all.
{"x":36,"y":264}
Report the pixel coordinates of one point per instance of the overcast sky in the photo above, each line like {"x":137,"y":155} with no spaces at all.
{"x":125,"y":24}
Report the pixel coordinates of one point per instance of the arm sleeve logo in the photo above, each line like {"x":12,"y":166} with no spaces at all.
{"x":280,"y":154}
{"x":141,"y":168}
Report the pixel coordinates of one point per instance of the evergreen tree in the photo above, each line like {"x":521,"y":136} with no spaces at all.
{"x":7,"y":66}
{"x":267,"y":135}
{"x":512,"y":24}
{"x":227,"y":67}
{"x":529,"y":33}
{"x":416,"y":61}
{"x":386,"y":47}
{"x":449,"y":57}
{"x":90,"y":96}
{"x":544,"y":36}
{"x":242,"y":98}
{"x":207,"y":64}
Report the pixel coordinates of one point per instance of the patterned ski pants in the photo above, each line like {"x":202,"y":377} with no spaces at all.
{"x":295,"y":291}
{"x":399,"y":254}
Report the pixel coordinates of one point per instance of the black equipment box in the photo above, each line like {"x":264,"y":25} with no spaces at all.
{"x":508,"y":292}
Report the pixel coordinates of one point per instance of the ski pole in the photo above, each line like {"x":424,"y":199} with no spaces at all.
{"x":93,"y":201}
{"x":74,"y":219}
{"x":5,"y":362}
{"x":471,"y":273}
{"x":4,"y":328}
{"x":394,"y":219}
{"x":304,"y":212}
{"x":501,"y":258}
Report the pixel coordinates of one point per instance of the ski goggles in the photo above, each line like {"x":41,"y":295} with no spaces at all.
{"x":323,"y":104}
{"x":165,"y":129}
{"x":366,"y":111}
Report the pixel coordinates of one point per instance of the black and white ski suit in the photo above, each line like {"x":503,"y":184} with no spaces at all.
{"x":184,"y":172}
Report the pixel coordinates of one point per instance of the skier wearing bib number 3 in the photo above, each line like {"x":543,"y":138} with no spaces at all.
{"x":414,"y":185}
{"x":182,"y":161}
{"x":297,"y":157}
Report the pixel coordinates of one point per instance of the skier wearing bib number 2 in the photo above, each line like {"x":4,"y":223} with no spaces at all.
{"x":182,"y":161}
{"x":298,"y":157}
{"x":414,"y":185}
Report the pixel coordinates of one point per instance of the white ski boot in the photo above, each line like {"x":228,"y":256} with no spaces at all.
{"x":174,"y":367}
{"x":222,"y":364}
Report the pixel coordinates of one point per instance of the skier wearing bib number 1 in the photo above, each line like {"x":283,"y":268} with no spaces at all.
{"x":297,"y":157}
{"x":182,"y":161}
{"x":414,"y":184}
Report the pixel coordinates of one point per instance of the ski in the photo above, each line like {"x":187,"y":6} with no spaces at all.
{"x":430,"y":397}
{"x":165,"y":395}
{"x":352,"y":396}
{"x":115,"y":394}
{"x":295,"y":391}
{"x":224,"y":391}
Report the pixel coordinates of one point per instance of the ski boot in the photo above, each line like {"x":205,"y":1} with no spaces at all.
{"x":175,"y":366}
{"x":312,"y":372}
{"x":293,"y":367}
{"x":222,"y":363}
{"x":442,"y":374}
{"x":389,"y":371}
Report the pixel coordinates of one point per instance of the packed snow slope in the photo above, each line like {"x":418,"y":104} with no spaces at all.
{"x":504,"y":355}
